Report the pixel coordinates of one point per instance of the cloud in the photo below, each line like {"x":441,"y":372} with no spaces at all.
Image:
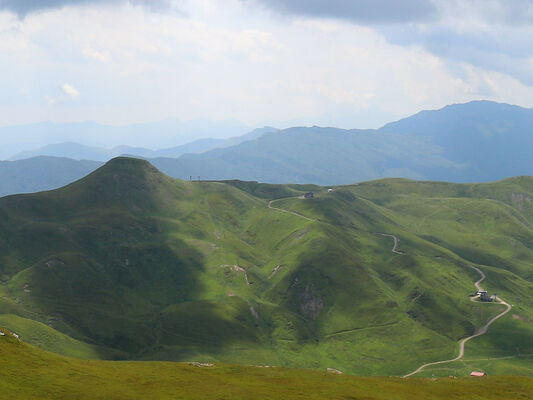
{"x":101,"y":56}
{"x":502,"y":12}
{"x":362,"y":11}
{"x":24,"y":7}
{"x":227,"y":59}
{"x":70,"y":90}
{"x":491,"y":34}
{"x":495,"y":35}
{"x":509,"y":12}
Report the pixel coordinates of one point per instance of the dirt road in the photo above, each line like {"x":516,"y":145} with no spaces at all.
{"x":287,"y":211}
{"x":482,"y":331}
{"x":478,"y":283}
{"x":396,"y":241}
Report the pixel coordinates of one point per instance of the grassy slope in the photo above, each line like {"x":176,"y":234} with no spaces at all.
{"x":488,"y":225}
{"x":28,"y":373}
{"x":132,"y":260}
{"x":44,"y":337}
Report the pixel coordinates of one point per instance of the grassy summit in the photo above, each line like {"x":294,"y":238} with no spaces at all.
{"x":128,"y":263}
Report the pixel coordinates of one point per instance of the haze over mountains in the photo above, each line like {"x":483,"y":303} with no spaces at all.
{"x":77,"y":151}
{"x":41,"y":173}
{"x":167,"y":133}
{"x":474,"y":142}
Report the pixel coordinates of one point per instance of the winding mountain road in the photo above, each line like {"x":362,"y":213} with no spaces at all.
{"x":287,"y":211}
{"x":482,"y":331}
{"x":477,"y":284}
{"x":396,"y":241}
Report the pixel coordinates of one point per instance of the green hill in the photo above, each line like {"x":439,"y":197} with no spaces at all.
{"x":29,"y":373}
{"x":128,"y":263}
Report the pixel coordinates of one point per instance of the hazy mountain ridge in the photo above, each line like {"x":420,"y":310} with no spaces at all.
{"x":316,"y":155}
{"x":479,"y":141}
{"x":474,"y":142}
{"x":495,"y":140}
{"x":41,"y":173}
{"x":77,"y":151}
{"x":163,"y":134}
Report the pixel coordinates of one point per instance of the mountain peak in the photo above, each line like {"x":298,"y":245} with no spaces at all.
{"x":135,"y":171}
{"x":127,"y":163}
{"x":482,"y":111}
{"x":125,"y":181}
{"x":482,"y":106}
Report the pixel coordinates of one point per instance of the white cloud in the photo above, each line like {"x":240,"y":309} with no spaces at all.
{"x":221,"y":59}
{"x":70,"y":90}
{"x":101,"y":56}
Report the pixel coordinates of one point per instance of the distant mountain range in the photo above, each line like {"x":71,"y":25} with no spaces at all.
{"x":474,"y":142}
{"x":161,"y":134}
{"x":77,"y":151}
{"x":41,"y":173}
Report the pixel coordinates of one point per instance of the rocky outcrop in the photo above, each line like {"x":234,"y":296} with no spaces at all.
{"x":310,"y":302}
{"x":520,"y":199}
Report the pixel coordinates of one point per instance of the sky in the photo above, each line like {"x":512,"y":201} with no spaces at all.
{"x":344,"y":63}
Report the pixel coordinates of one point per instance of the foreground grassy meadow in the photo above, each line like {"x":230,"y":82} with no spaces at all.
{"x":29,"y":373}
{"x":129,"y":264}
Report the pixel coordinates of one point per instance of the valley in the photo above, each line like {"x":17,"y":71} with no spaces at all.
{"x":257,"y":199}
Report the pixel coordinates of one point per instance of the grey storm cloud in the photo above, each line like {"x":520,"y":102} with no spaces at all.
{"x":369,"y":11}
{"x":509,"y":12}
{"x":503,"y":51}
{"x":24,"y":7}
{"x":426,"y":23}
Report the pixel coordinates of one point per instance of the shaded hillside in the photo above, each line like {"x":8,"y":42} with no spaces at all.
{"x":131,"y":263}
